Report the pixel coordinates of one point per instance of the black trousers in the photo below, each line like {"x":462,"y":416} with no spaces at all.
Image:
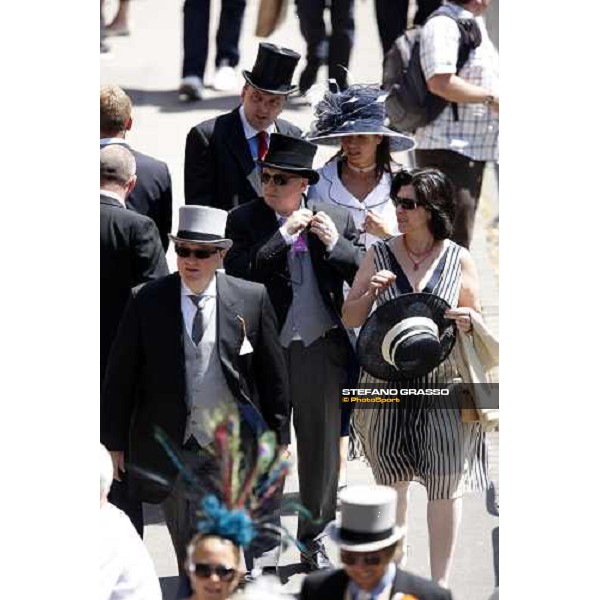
{"x":121,"y":497}
{"x":467,"y":176}
{"x":392,"y":18}
{"x":196,"y":19}
{"x":334,"y":51}
{"x":316,"y":374}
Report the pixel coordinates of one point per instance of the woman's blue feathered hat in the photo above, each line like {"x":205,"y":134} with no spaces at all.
{"x":235,"y":503}
{"x":360,"y":109}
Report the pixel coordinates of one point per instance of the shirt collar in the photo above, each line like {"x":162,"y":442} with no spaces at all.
{"x":211,"y":289}
{"x":249,"y":131}
{"x":459,"y":11}
{"x":113,"y":140}
{"x":112,"y":195}
{"x":386,"y":580}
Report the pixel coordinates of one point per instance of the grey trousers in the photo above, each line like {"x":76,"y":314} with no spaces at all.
{"x":316,"y":373}
{"x":180,"y":510}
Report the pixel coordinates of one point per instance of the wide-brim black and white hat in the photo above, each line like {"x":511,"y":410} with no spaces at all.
{"x":273,"y":70}
{"x":202,"y":225}
{"x":292,"y":155}
{"x":406,"y":337}
{"x":367,"y":520}
{"x":358,"y":110}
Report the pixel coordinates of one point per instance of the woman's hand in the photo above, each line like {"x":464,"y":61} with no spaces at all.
{"x":376,"y":225}
{"x":462,"y":316}
{"x":380,"y":282}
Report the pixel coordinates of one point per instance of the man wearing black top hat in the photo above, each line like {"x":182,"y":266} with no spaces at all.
{"x":221,"y":153}
{"x":303,"y":252}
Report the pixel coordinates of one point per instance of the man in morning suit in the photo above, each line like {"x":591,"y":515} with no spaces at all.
{"x":152,"y":195}
{"x":303,"y":252}
{"x":367,"y":536}
{"x":130,"y":254}
{"x":189,"y":344}
{"x":221,"y":153}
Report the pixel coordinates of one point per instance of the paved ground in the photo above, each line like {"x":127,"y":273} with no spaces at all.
{"x":147,"y":65}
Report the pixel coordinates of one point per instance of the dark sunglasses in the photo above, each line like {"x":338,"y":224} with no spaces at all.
{"x":278,"y":179}
{"x":204,"y":570}
{"x":369,"y":560}
{"x":405,"y":203}
{"x":187,"y":252}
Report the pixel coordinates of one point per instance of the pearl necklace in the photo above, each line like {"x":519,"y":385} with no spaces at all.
{"x":361,"y":169}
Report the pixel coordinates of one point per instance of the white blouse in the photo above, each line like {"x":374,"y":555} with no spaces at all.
{"x":330,"y":189}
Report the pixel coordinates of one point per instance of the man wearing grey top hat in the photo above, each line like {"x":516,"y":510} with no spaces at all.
{"x":220,"y":154}
{"x":367,"y":537}
{"x":190,"y":343}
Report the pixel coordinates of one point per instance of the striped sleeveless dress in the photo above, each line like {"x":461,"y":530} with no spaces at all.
{"x":419,"y":442}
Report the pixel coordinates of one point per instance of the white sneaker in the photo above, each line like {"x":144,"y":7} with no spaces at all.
{"x":225,"y":79}
{"x":190,"y":88}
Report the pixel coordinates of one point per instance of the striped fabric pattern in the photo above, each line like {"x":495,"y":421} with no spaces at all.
{"x":418,"y":442}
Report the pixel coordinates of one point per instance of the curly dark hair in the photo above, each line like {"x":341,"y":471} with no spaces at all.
{"x":435,"y":192}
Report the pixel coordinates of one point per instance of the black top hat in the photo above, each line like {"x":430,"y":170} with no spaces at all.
{"x":291,"y":154}
{"x":406,"y":337}
{"x":273,"y":69}
{"x":358,"y":110}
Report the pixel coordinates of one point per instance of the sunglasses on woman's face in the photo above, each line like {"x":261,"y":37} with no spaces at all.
{"x":278,"y":180}
{"x":405,"y":203}
{"x":187,"y":252}
{"x":354,"y":558}
{"x":204,"y":571}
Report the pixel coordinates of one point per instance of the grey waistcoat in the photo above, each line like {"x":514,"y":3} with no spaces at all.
{"x":308,"y":318}
{"x":206,"y":386}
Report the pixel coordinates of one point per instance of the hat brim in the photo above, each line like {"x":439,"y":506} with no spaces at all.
{"x":333,"y":531}
{"x":282,"y":91}
{"x":310,"y":174}
{"x":398,"y":141}
{"x":378,"y":324}
{"x":220,"y":243}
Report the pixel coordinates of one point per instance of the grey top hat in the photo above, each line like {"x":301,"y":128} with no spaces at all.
{"x":367,"y":519}
{"x":202,"y":225}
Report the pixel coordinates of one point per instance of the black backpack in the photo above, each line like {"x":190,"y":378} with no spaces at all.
{"x":410,"y":104}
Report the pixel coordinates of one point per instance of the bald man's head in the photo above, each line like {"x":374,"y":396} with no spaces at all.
{"x":117,"y":168}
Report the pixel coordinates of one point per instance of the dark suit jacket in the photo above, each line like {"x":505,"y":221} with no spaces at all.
{"x":130,"y":254}
{"x":219,"y":169}
{"x":145,"y":380}
{"x":259,"y":253}
{"x":152,"y":195}
{"x":331,"y":585}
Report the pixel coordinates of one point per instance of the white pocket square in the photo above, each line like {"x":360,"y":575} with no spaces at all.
{"x":246,"y":347}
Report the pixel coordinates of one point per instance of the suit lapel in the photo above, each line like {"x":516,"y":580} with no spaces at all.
{"x":238,"y":145}
{"x":229,"y":330}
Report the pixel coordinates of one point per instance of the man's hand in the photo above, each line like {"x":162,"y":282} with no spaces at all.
{"x":298,"y":220}
{"x":118,"y":460}
{"x":324,"y":228}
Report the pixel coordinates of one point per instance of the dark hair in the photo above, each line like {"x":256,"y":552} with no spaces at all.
{"x":434,"y":192}
{"x":383,"y":157}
